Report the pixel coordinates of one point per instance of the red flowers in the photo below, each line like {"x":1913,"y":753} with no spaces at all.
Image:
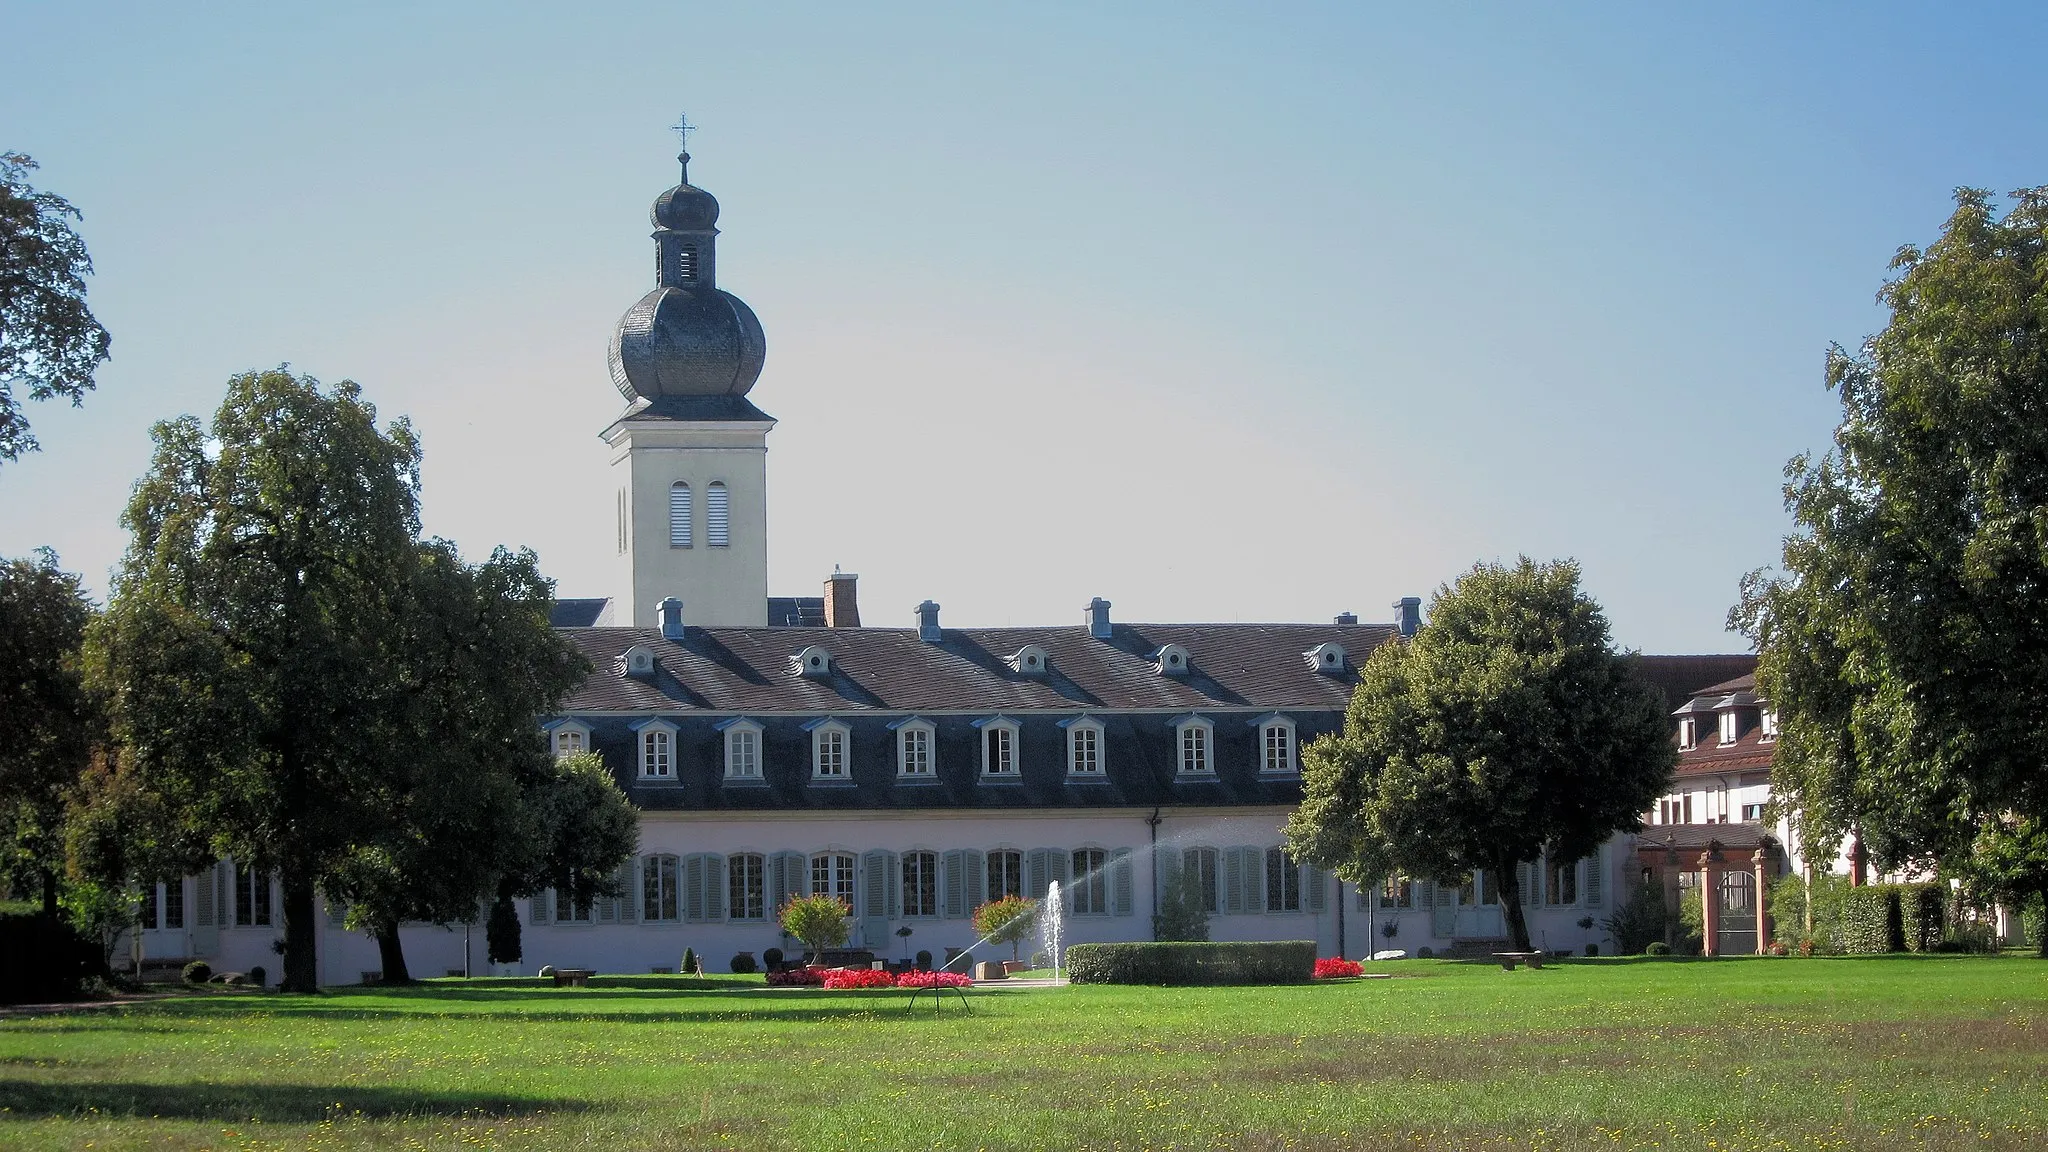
{"x":796,"y":978}
{"x":932,"y":980}
{"x":844,"y":978}
{"x":1336,"y":967}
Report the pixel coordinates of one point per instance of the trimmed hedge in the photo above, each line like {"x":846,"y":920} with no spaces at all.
{"x":1177,"y":963}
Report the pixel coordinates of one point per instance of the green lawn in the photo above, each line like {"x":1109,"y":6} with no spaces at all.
{"x":1882,"y":1052}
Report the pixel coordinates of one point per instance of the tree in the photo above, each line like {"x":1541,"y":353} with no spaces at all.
{"x":818,"y":920}
{"x":1006,"y":920}
{"x":479,"y":663}
{"x":248,"y":648}
{"x":48,"y":337}
{"x":1507,"y":727}
{"x":1183,"y":909}
{"x":1902,"y":640}
{"x":48,"y":723}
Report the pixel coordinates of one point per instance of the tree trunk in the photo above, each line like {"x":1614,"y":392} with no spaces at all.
{"x":301,"y":961}
{"x":49,"y":894}
{"x":391,"y":953}
{"x":1507,"y":883}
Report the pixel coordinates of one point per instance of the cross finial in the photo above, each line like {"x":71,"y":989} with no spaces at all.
{"x":682,"y":128}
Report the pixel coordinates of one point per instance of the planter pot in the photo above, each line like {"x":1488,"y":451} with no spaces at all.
{"x":988,"y":970}
{"x":1010,"y":966}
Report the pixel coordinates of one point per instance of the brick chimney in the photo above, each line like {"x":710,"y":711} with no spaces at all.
{"x":841,"y":608}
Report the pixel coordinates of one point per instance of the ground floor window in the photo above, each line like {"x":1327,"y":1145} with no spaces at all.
{"x":1091,"y":882}
{"x":1005,"y":874}
{"x":1561,"y":882}
{"x":659,"y":881}
{"x":832,"y":875}
{"x":920,"y":884}
{"x":1199,"y":869}
{"x":747,"y":886}
{"x":1397,"y":892}
{"x":1283,"y":882}
{"x":252,"y":897}
{"x":163,"y":905}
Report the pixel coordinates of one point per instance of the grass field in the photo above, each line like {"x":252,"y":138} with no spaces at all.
{"x":1884,"y":1052}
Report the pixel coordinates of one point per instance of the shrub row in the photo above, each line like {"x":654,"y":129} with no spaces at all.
{"x":1872,"y":919}
{"x":1251,"y":962}
{"x":45,"y":960}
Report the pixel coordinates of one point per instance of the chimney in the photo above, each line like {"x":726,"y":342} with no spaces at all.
{"x":1098,"y":618}
{"x":1346,"y":618}
{"x":1408,"y":614}
{"x":671,"y":611}
{"x":841,"y":610}
{"x":928,"y":623}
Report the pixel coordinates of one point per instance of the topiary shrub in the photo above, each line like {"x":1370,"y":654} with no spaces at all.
{"x":772,"y":958}
{"x":924,"y":961}
{"x":743,"y":963}
{"x":258,"y":976}
{"x":1193,"y":963}
{"x":1656,"y":948}
{"x":689,"y":965}
{"x":1592,"y":949}
{"x":501,"y":933}
{"x":198,"y":972}
{"x":1425,"y":953}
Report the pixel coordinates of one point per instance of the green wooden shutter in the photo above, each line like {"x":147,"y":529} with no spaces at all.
{"x":628,"y":880}
{"x":892,"y":874}
{"x":1594,"y":887}
{"x":1120,"y":885}
{"x":224,"y":891}
{"x":1314,"y":885}
{"x":953,"y":884}
{"x":693,"y":887}
{"x":714,"y":886}
{"x":875,"y":889}
{"x":789,"y":874}
{"x":1060,"y":868}
{"x":1254,"y":879}
{"x":540,"y":909}
{"x":1233,"y":880}
{"x":337,"y":912}
{"x":975,"y":863}
{"x":1037,"y":872}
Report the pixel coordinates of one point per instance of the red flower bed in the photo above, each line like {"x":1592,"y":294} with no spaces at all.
{"x":843,"y":978}
{"x":1334,"y":967}
{"x":796,"y":978}
{"x":932,"y":980}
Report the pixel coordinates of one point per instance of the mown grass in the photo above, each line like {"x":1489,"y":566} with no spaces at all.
{"x":1891,"y":1052}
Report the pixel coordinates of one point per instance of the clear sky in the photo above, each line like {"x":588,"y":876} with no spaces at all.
{"x":1222,"y":312}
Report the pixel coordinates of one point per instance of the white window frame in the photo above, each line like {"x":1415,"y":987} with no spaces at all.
{"x":835,"y":880}
{"x":717,"y":515}
{"x":1290,"y":763}
{"x":1194,"y":743}
{"x":1006,"y":766}
{"x":654,"y":747}
{"x":563,"y":732}
{"x":742,"y":749}
{"x":1089,"y":884}
{"x":996,"y":861}
{"x":1085,"y":730}
{"x":926,"y":864}
{"x":1211,"y":886}
{"x":681,"y":532}
{"x":1731,"y":726}
{"x":661,"y":888}
{"x":917,"y":749}
{"x":1688,"y":733}
{"x":1767,"y":724}
{"x":826,"y":736}
{"x":1276,"y":895}
{"x":737,"y":890}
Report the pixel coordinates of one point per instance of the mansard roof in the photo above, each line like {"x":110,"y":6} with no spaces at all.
{"x":1257,"y":667}
{"x":1680,"y":678}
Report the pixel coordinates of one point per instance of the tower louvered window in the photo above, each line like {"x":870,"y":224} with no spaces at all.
{"x":686,"y":264}
{"x":679,"y":515}
{"x":717,"y":520}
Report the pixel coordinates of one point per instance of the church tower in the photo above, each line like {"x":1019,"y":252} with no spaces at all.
{"x":690,"y":452}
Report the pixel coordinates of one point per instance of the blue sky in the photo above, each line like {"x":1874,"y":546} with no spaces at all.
{"x":1221,"y":312}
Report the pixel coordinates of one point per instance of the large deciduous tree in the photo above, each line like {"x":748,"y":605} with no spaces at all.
{"x":48,"y":337}
{"x":251,"y":643}
{"x":1507,"y":727}
{"x":1903,"y":640}
{"x":47,"y":719}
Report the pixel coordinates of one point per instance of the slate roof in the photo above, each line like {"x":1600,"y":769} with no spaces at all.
{"x":1681,"y":678}
{"x":1257,"y":667}
{"x":578,"y":613}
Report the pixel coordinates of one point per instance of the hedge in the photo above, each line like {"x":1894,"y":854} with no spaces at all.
{"x":45,"y":960}
{"x":1248,"y":962}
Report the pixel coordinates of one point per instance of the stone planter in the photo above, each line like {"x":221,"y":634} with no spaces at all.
{"x":1010,"y":966}
{"x":989,"y":970}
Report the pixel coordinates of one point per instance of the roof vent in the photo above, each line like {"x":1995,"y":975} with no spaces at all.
{"x":1098,"y":618}
{"x":813,"y":662}
{"x":928,"y":623}
{"x":638,"y":662}
{"x":1029,"y":661}
{"x":1346,"y":618}
{"x":1326,"y":658}
{"x":672,"y":618}
{"x":1408,"y":615}
{"x":1171,"y":660}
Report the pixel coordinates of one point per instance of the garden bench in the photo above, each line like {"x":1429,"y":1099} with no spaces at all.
{"x":1508,"y":960}
{"x":573,"y":977}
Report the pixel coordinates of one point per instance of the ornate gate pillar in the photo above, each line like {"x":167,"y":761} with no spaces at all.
{"x":1710,"y":903}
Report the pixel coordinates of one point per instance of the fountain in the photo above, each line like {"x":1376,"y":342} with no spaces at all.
{"x":1049,"y":925}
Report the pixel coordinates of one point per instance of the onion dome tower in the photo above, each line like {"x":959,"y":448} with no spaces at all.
{"x":690,"y":452}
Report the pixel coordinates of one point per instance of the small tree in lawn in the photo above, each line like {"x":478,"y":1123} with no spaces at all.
{"x":1006,"y":921}
{"x":501,"y":932}
{"x":819,"y":921}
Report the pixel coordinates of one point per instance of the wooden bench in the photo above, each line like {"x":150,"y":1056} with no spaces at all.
{"x":573,"y":977}
{"x":1508,"y":960}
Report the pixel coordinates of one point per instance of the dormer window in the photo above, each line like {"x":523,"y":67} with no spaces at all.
{"x":1276,"y":746}
{"x":998,"y":747}
{"x":1768,"y":724}
{"x":742,"y":749}
{"x":813,"y":662}
{"x":1029,"y":661}
{"x":1326,"y":658}
{"x":1688,"y":734}
{"x":1731,"y":725}
{"x":1084,"y":747}
{"x":639,"y":661}
{"x":1196,"y":737}
{"x":914,"y":743}
{"x":657,"y":749}
{"x":830,"y":761}
{"x":1171,"y":660}
{"x":568,"y":738}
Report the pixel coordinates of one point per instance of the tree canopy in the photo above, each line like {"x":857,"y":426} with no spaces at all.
{"x":1902,"y":638}
{"x":48,"y":722}
{"x":1507,"y":727}
{"x":48,"y":337}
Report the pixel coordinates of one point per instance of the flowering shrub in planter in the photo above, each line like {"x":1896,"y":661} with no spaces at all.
{"x":1334,"y":967}
{"x":932,"y":980}
{"x":796,"y":978}
{"x":843,"y":978}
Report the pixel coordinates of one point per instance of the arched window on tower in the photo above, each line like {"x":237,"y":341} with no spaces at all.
{"x":717,"y":517}
{"x":679,"y":515}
